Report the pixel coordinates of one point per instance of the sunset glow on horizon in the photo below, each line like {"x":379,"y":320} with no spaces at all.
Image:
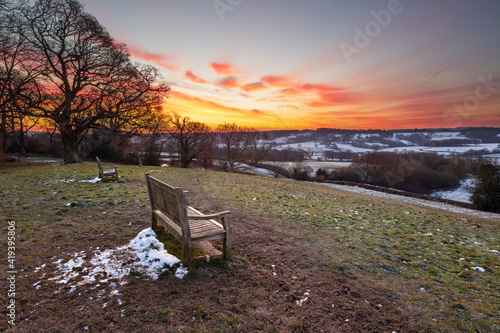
{"x":384,"y":64}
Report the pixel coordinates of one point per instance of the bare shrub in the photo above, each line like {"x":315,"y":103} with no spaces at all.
{"x":345,"y":174}
{"x":301,"y":171}
{"x":205,"y":160}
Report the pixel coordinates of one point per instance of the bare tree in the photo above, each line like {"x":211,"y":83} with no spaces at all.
{"x":12,"y":82}
{"x":258,"y":144}
{"x":234,"y":141}
{"x":189,"y":138}
{"x":80,"y":77}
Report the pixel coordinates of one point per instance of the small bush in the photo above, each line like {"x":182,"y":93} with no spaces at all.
{"x":300,"y":171}
{"x":426,"y":181}
{"x":486,"y":193}
{"x":345,"y":174}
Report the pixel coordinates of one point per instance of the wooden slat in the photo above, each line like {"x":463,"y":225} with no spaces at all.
{"x":172,"y":228}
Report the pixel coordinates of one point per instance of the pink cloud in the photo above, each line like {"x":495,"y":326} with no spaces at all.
{"x":331,"y":98}
{"x":162,"y":60}
{"x":228,"y":82}
{"x":190,"y":76}
{"x":224,"y":69}
{"x":253,"y":86}
{"x":257,"y":111}
{"x":277,"y":81}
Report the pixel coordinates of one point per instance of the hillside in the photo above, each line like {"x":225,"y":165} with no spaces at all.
{"x":319,"y":143}
{"x":307,"y":257}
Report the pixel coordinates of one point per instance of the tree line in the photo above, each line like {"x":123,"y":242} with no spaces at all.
{"x":62,"y":72}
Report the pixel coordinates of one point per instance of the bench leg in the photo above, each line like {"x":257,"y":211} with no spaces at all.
{"x":154,"y":223}
{"x":186,"y":253}
{"x":228,"y":241}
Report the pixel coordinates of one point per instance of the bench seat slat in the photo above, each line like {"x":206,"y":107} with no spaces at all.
{"x":202,"y":230}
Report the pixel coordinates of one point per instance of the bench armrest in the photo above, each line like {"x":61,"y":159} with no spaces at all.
{"x":208,"y":216}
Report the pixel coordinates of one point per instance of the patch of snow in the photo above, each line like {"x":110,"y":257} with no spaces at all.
{"x":145,"y":253}
{"x":462,"y":193}
{"x":39,"y":268}
{"x":343,"y":146}
{"x":414,"y":201}
{"x":153,"y":257}
{"x":446,"y":136}
{"x":95,"y":180}
{"x":404,"y":148}
{"x":303,"y":299}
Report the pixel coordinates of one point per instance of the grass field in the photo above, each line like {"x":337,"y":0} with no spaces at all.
{"x":411,"y":268}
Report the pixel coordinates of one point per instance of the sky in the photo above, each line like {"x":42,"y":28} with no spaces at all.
{"x":296,"y":64}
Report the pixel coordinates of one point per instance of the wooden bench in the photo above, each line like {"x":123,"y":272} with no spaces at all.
{"x":107,"y":171}
{"x":170,"y":209}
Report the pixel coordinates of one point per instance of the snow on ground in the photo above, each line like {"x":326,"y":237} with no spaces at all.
{"x":154,"y":259}
{"x":376,"y":145}
{"x":262,"y":171}
{"x":415,"y":201}
{"x":364,"y":136}
{"x":446,"y":136}
{"x":144,"y":254}
{"x":302,"y":145}
{"x":463,"y":149}
{"x":405,"y":148}
{"x":444,"y":150}
{"x":95,"y":180}
{"x":462,"y":194}
{"x":343,"y":146}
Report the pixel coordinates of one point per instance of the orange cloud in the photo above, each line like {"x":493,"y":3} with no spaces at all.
{"x":162,"y":60}
{"x":229,"y":82}
{"x":319,"y":87}
{"x":277,"y":81}
{"x":331,"y":98}
{"x":190,"y":76}
{"x":253,"y":86}
{"x":223,"y":69}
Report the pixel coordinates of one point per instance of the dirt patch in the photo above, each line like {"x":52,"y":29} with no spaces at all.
{"x":273,"y":284}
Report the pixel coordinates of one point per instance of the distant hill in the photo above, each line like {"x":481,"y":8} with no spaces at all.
{"x":474,"y":140}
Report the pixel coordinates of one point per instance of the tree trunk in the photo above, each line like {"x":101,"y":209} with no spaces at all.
{"x":70,"y":141}
{"x":3,"y":131}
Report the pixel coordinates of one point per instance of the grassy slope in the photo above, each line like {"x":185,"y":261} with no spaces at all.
{"x":421,"y":257}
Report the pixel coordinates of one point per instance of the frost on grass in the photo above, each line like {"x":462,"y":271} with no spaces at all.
{"x":144,"y":254}
{"x":95,"y":180}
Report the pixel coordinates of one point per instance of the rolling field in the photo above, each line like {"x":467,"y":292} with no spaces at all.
{"x":307,"y":257}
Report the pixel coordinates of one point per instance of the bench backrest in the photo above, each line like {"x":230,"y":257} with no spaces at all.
{"x":101,"y":170}
{"x":169,"y":200}
{"x":99,"y":164}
